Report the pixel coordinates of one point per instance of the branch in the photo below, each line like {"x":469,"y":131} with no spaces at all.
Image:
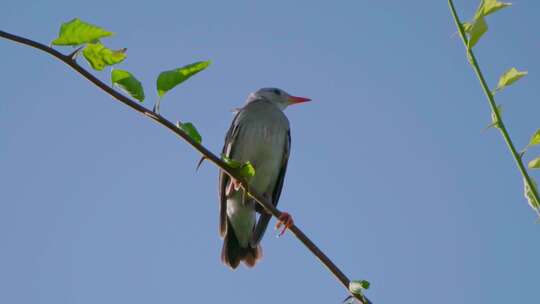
{"x":70,"y":61}
{"x":497,"y":115}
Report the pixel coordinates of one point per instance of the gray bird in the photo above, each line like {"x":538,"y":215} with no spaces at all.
{"x":259,"y":134}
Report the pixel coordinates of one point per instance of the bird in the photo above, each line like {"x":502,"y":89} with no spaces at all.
{"x":260,"y":134}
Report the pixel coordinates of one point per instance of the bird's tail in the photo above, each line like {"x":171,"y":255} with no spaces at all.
{"x":232,"y":253}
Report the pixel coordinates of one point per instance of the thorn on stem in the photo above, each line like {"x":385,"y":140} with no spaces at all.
{"x":155,"y":109}
{"x":200,"y":163}
{"x":353,"y":300}
{"x":73,"y":55}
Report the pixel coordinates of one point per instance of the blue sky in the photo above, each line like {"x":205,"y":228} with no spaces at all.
{"x":390,"y":172}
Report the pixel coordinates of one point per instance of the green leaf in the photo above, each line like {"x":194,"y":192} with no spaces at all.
{"x":247,"y":171}
{"x":169,"y":79}
{"x":76,"y":32}
{"x":529,"y":194}
{"x":488,"y":7}
{"x":494,"y":121}
{"x":363,"y":284}
{"x":535,"y":139}
{"x":467,"y":26}
{"x":357,"y":288}
{"x":535,"y":163}
{"x":190,"y":130}
{"x":231,"y":162}
{"x":478,"y":28}
{"x":128,"y":83}
{"x":509,"y":77}
{"x":98,"y":56}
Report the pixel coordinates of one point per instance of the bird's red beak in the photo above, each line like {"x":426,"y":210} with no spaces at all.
{"x":295,"y":99}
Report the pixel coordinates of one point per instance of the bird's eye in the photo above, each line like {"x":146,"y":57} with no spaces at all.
{"x":276,"y":91}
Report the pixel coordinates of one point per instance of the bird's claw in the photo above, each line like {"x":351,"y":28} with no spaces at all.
{"x":236,"y":184}
{"x":233,"y":185}
{"x":285,"y":220}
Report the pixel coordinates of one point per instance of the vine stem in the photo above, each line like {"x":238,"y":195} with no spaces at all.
{"x":493,"y":105}
{"x":156,"y":117}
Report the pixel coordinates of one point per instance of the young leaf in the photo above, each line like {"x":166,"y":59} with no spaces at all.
{"x":488,"y":7}
{"x":190,"y":130}
{"x":98,"y":56}
{"x":535,"y":163}
{"x":535,"y":139}
{"x":247,"y":171}
{"x":362,"y":284}
{"x":169,"y":79}
{"x":231,"y":162}
{"x":128,"y":83}
{"x":76,"y":32}
{"x":494,"y":121}
{"x":467,"y":27}
{"x":357,"y":288}
{"x":478,"y":28}
{"x":529,"y":195}
{"x":509,"y":77}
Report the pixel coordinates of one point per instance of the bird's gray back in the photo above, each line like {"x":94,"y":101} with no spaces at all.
{"x":260,"y":135}
{"x":264,"y":128}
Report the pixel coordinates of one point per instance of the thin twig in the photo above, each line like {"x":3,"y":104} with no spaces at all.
{"x":493,"y":105}
{"x":156,"y":117}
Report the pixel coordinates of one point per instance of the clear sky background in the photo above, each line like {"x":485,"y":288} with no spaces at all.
{"x":390,"y":172}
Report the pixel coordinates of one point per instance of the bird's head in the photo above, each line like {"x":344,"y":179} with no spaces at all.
{"x":276,"y":96}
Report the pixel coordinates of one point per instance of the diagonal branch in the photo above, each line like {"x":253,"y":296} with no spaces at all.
{"x":68,"y":59}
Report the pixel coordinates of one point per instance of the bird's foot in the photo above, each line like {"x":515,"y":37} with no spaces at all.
{"x":233,"y":184}
{"x":285,"y":220}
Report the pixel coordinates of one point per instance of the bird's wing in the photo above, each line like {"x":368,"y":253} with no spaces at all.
{"x":265,"y":217}
{"x":230,"y":138}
